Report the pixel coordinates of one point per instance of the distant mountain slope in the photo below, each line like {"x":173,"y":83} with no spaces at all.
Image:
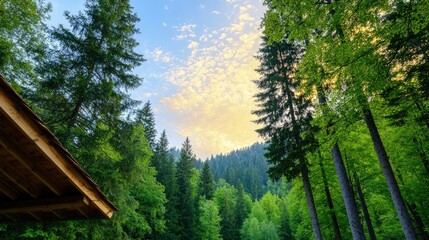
{"x":247,"y":165}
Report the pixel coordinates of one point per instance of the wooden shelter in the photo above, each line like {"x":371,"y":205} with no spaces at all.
{"x":39,"y":179}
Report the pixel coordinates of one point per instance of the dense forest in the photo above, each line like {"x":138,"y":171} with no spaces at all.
{"x":342,"y":104}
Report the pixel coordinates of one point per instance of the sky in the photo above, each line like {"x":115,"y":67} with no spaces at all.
{"x":199,"y":69}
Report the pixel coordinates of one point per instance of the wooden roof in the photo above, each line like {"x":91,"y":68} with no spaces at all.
{"x":39,"y":179}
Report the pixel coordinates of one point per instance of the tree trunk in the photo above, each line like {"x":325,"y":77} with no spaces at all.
{"x":310,"y":201}
{"x":330,"y":203}
{"x":364,"y":208}
{"x":418,"y":220}
{"x":348,"y":196}
{"x":302,"y":162}
{"x":392,"y":184}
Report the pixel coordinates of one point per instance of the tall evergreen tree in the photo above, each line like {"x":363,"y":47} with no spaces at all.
{"x":145,"y":117}
{"x":242,"y":209}
{"x":166,"y":176}
{"x":81,"y":94}
{"x":206,"y":185}
{"x":355,"y":69}
{"x":286,"y":117}
{"x":226,"y":199}
{"x":185,"y":200}
{"x":285,"y":231}
{"x":84,"y":78}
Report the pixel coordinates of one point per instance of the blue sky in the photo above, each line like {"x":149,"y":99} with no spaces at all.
{"x":199,"y":69}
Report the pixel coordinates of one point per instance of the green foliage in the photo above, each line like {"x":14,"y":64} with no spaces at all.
{"x":22,"y":39}
{"x":369,"y":60}
{"x":244,"y":205}
{"x":360,"y":55}
{"x":209,"y":220}
{"x":285,"y":231}
{"x":81,"y":95}
{"x":166,"y":176}
{"x":206,"y":184}
{"x":245,"y":166}
{"x":258,"y":225}
{"x":186,"y":201}
{"x":226,"y":199}
{"x":86,"y":73}
{"x":146,"y":118}
{"x":271,"y":205}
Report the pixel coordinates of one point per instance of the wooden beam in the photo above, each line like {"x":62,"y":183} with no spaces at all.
{"x":8,"y":191}
{"x":19,"y":179}
{"x":34,"y":216}
{"x":14,"y":219}
{"x":27,"y":161}
{"x":57,"y":214}
{"x":33,"y":131}
{"x":45,"y":205}
{"x":83,"y":212}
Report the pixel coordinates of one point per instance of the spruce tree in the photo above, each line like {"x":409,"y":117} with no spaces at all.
{"x":185,"y":200}
{"x":146,"y":118}
{"x":242,"y":209}
{"x":82,"y":96}
{"x":226,"y":199}
{"x":286,"y":116}
{"x":166,"y":176}
{"x":206,"y":185}
{"x":85,"y":77}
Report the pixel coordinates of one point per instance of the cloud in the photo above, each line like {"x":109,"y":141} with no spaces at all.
{"x":193,"y":44}
{"x":214,"y":100}
{"x":160,"y":55}
{"x":185,"y":31}
{"x":215,"y":12}
{"x":186,"y":27}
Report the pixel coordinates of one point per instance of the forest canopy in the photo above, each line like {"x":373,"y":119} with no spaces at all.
{"x":341,"y":103}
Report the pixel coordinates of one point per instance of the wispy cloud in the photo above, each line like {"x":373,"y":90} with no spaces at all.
{"x":185,"y":31}
{"x":215,"y":89}
{"x":159,"y":55}
{"x":192,"y":44}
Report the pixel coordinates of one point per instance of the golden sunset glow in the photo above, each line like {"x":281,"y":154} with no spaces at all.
{"x":215,"y":90}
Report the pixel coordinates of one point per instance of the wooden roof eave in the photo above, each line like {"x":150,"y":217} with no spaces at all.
{"x":17,"y":110}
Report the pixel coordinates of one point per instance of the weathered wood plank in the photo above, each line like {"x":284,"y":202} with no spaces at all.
{"x":26,"y":160}
{"x":46,"y":205}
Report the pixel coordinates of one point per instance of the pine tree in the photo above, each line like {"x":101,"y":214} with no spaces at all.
{"x":226,"y":199}
{"x":82,"y":97}
{"x":242,"y":209}
{"x":84,"y":80}
{"x":206,"y":185}
{"x":166,"y":176}
{"x":285,"y":231}
{"x":146,"y":118}
{"x":185,"y":200}
{"x":286,"y":117}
